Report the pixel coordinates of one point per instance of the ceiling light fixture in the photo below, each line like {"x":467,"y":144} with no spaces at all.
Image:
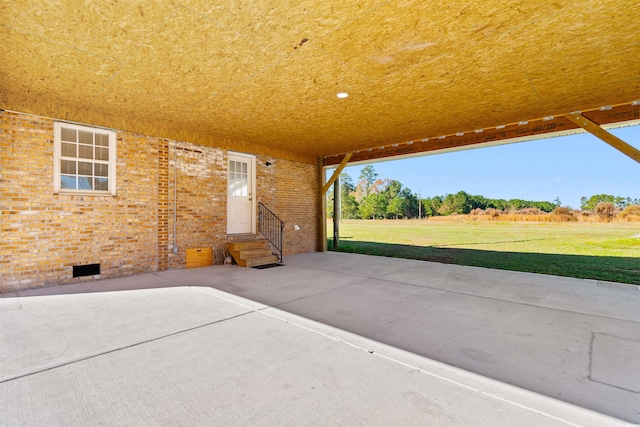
{"x":524,"y":122}
{"x":547,"y":118}
{"x":460,"y":134}
{"x":500,"y":127}
{"x":342,"y":95}
{"x":634,"y":103}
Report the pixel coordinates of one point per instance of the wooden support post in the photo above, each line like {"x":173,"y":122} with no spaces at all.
{"x":322,"y":203}
{"x":336,"y":213}
{"x":322,"y":209}
{"x":607,"y":137}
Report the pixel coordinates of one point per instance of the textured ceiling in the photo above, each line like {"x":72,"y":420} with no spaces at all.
{"x":262,"y":75}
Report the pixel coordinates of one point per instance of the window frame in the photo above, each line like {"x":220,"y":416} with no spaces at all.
{"x":58,"y":157}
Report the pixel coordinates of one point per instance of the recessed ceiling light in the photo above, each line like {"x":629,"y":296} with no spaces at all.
{"x":342,"y":95}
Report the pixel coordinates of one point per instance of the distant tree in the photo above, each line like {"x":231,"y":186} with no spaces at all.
{"x":367,"y":178}
{"x":431,"y":206}
{"x":459,"y":203}
{"x":411,"y":203}
{"x":396,"y":207}
{"x":348,"y":202}
{"x":591,"y":203}
{"x":373,"y":206}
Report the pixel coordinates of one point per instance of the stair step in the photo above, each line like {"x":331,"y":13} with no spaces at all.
{"x":248,"y":245}
{"x":253,"y":262}
{"x":252,"y":253}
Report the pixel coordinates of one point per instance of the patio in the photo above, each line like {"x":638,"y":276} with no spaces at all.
{"x":328,"y":338}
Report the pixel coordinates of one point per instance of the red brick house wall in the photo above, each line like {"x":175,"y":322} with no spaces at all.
{"x":43,"y":235}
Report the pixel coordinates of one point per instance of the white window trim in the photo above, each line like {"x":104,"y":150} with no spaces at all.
{"x":57,"y":154}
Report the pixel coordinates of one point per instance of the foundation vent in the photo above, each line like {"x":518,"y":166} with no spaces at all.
{"x":86,"y":270}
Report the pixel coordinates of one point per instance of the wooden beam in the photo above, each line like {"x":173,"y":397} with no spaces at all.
{"x":336,"y":173}
{"x":607,"y":137}
{"x":532,"y":128}
{"x":336,"y":213}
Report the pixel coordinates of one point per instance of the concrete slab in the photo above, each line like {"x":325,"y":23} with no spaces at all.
{"x":51,"y":330}
{"x":529,"y":330}
{"x":615,"y":362}
{"x":269,"y":286}
{"x":474,"y":329}
{"x":262,"y":367}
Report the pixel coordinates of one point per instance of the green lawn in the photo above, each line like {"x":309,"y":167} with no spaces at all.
{"x":602,"y":251}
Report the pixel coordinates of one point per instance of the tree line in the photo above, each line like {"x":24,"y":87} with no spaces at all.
{"x":373,"y":197}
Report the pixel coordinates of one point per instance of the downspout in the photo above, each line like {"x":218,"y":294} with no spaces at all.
{"x":175,"y":197}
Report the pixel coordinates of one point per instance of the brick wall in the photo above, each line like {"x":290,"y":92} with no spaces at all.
{"x":43,"y":235}
{"x":201,"y":211}
{"x":295,"y":183}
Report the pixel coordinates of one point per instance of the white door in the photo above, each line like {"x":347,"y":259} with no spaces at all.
{"x":240,"y":188}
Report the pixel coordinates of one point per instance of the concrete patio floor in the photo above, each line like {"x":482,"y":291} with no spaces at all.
{"x":329,"y":338}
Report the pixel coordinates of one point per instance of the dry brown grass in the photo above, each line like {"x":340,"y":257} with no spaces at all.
{"x":560,"y":214}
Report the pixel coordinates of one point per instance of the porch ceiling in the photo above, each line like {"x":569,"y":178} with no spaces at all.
{"x":263,"y":75}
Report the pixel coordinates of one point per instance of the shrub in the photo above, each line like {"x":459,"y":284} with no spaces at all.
{"x":605,"y":211}
{"x":493,"y":213}
{"x":630,"y":213}
{"x":530,"y":211}
{"x":563,"y":214}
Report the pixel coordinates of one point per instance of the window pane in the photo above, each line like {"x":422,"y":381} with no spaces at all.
{"x":102,"y":139}
{"x":85,"y":151}
{"x":85,"y":168}
{"x":84,"y":183}
{"x":244,"y":168}
{"x":68,"y":167}
{"x":102,"y":184}
{"x":101,"y":169}
{"x":102,"y":153}
{"x":232,"y":166}
{"x":68,"y":182}
{"x":68,"y":134}
{"x":85,"y":137}
{"x":68,"y":150}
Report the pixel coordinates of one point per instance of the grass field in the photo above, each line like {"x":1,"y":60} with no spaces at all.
{"x":602,"y":251}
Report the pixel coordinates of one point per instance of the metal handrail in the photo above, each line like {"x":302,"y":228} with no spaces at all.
{"x":271,"y":227}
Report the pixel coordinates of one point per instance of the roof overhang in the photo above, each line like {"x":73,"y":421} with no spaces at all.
{"x":262,"y":77}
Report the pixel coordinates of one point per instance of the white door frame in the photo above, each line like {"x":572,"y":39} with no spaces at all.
{"x":252,"y":186}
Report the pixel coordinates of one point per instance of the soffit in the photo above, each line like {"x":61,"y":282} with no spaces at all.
{"x":262,"y":76}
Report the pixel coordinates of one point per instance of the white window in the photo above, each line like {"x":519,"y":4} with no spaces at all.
{"x":84,"y":160}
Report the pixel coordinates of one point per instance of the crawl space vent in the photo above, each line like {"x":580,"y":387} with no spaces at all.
{"x":86,"y":270}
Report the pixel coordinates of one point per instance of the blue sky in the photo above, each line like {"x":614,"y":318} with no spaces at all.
{"x":567,"y":167}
